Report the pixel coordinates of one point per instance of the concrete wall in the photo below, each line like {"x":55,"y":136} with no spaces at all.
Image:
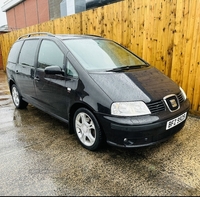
{"x":80,"y":6}
{"x":69,"y":7}
{"x":54,"y":9}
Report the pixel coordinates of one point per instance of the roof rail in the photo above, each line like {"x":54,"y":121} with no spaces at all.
{"x":93,"y":35}
{"x":36,"y":33}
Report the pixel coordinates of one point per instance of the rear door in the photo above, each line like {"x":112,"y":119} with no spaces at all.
{"x":26,"y":68}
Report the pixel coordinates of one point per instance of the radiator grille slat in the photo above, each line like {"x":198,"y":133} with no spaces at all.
{"x":156,"y":106}
{"x":180,"y":97}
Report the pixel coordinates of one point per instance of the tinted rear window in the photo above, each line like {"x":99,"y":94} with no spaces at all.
{"x":14,"y":52}
{"x":27,"y":55}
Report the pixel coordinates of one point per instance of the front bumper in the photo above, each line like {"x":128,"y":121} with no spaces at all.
{"x":141,"y":131}
{"x":138,"y":136}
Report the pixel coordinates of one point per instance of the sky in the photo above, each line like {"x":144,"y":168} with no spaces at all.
{"x":3,"y":19}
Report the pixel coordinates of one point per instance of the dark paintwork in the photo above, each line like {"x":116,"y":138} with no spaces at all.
{"x":97,"y":91}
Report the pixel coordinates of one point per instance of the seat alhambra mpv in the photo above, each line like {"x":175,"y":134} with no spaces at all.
{"x":102,"y":90}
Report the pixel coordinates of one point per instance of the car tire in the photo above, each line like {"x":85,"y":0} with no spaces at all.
{"x":87,"y":129}
{"x":17,"y":99}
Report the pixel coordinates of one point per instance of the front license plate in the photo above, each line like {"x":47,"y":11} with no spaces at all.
{"x":172,"y":123}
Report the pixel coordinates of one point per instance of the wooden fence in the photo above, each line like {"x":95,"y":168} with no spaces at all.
{"x":166,"y":33}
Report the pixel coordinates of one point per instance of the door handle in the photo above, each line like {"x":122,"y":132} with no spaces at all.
{"x":37,"y":78}
{"x":69,"y":89}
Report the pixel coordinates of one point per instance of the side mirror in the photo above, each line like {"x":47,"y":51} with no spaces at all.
{"x":52,"y":70}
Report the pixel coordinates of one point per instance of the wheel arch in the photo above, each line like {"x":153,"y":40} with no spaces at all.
{"x":72,"y":111}
{"x":11,"y":82}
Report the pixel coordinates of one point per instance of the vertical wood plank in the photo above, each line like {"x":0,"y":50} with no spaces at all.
{"x":170,"y":26}
{"x":189,"y":22}
{"x":77,"y":23}
{"x":176,"y":72}
{"x":125,"y":29}
{"x":108,"y":22}
{"x":117,"y":21}
{"x":193,"y":79}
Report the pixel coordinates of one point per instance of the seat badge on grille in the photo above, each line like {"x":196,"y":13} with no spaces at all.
{"x":173,"y":103}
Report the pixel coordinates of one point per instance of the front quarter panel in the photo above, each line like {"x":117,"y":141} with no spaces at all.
{"x":93,"y":96}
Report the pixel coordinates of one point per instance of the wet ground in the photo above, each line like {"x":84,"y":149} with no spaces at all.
{"x":39,"y":157}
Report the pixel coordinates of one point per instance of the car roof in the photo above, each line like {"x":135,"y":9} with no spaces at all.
{"x":59,"y":36}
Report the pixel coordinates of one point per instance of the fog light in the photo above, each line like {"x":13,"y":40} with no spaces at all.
{"x":128,"y":142}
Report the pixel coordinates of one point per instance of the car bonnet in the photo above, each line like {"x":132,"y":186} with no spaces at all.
{"x":146,"y":85}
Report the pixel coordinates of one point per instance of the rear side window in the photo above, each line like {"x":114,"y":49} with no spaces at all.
{"x":14,"y":52}
{"x":28,"y":52}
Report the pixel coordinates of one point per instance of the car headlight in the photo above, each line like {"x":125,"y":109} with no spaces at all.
{"x":183,"y":93}
{"x":136,"y":108}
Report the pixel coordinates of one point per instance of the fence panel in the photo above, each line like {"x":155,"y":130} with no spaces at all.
{"x":166,"y":33}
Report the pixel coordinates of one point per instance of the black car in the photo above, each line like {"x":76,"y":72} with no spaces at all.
{"x":102,"y":90}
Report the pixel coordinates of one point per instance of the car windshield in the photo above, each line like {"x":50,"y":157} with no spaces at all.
{"x":98,"y":55}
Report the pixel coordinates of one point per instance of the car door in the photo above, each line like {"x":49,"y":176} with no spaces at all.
{"x":26,"y":69}
{"x":51,"y":90}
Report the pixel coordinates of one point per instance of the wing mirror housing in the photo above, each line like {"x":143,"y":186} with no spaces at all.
{"x":52,"y":70}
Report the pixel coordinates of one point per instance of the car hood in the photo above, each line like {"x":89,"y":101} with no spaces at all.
{"x":147,"y":84}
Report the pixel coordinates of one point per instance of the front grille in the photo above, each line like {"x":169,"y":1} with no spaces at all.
{"x":180,"y":97}
{"x":156,"y":106}
{"x":159,"y":106}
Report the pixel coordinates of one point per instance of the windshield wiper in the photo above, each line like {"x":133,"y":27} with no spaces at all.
{"x":118,"y":69}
